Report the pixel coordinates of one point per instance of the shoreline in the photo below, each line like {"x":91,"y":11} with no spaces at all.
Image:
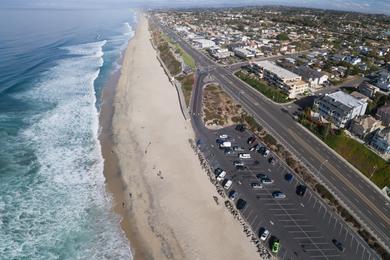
{"x":162,"y":194}
{"x":112,"y":173}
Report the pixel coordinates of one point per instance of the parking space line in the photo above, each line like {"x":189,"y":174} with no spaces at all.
{"x":314,"y":205}
{"x":254,"y":220}
{"x":292,"y":214}
{"x":299,"y":231}
{"x":327,"y":256}
{"x":364,"y":252}
{"x":352,"y":239}
{"x":346,"y":234}
{"x":357,"y":248}
{"x":318,"y":249}
{"x":290,"y":220}
{"x":323,"y":243}
{"x":330,"y":218}
{"x":319,"y":209}
{"x":298,"y":226}
{"x":335,"y":223}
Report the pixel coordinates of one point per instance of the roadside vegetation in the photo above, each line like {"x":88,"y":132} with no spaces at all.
{"x":271,"y":92}
{"x":365,"y":160}
{"x":187,"y":83}
{"x":219,"y":109}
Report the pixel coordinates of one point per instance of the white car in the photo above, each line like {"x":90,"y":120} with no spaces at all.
{"x":244,"y":156}
{"x":223,"y":136}
{"x":221,"y":176}
{"x":264,"y":235}
{"x":228,"y":184}
{"x":266,"y":153}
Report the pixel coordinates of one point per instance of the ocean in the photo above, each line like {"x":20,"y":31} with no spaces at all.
{"x":53,"y":67}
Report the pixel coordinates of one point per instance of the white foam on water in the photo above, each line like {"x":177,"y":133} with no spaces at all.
{"x":64,"y":211}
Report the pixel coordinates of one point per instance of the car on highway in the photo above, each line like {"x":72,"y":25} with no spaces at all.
{"x":267,"y":180}
{"x":228,"y":184}
{"x":244,"y":156}
{"x":233,"y":195}
{"x":256,"y":185}
{"x":223,"y":136}
{"x":338,"y":245}
{"x":301,"y":189}
{"x":289,"y":177}
{"x":251,"y":140}
{"x":278,"y":195}
{"x":241,"y":204}
{"x":221,"y":176}
{"x":275,"y":246}
{"x":264,"y":234}
{"x":272,"y":160}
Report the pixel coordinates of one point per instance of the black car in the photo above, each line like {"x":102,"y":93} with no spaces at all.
{"x":288,"y":177}
{"x":217,"y":171}
{"x":240,"y":128}
{"x":241,"y":167}
{"x":338,"y":245}
{"x":301,"y":189}
{"x":261,"y":176}
{"x":241,"y":204}
{"x":251,"y":140}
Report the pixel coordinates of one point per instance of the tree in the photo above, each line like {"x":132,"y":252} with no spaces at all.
{"x":282,"y":37}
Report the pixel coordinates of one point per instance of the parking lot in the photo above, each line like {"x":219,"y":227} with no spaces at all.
{"x":304,"y":225}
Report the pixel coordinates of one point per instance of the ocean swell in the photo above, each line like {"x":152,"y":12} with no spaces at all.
{"x":57,"y":206}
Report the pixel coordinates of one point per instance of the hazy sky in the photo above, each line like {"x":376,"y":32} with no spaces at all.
{"x":371,"y":6}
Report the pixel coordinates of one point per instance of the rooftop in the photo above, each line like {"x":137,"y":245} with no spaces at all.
{"x":272,"y":67}
{"x":345,"y":99}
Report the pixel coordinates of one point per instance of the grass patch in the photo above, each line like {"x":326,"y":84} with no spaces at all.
{"x":365,"y":160}
{"x":261,"y":86}
{"x":169,"y":59}
{"x":368,"y":162}
{"x":187,"y":83}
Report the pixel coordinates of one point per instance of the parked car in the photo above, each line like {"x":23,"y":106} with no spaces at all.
{"x":275,"y":246}
{"x":244,"y":156}
{"x":266,"y":153}
{"x":217,"y":171}
{"x":228,"y":184}
{"x":256,"y":185}
{"x":221,"y":176}
{"x":301,"y":189}
{"x":272,"y":160}
{"x":241,"y":204}
{"x":260,"y":176}
{"x":233,"y":195}
{"x":238,"y":148}
{"x":228,"y":151}
{"x":278,"y":195}
{"x":264,"y":234}
{"x":251,"y":140}
{"x":338,"y":245}
{"x":223,"y":136}
{"x":289,"y":177}
{"x":238,"y":163}
{"x":240,"y":128}
{"x":241,"y":167}
{"x":267,"y":180}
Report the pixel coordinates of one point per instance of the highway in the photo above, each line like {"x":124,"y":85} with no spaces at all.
{"x":365,"y":202}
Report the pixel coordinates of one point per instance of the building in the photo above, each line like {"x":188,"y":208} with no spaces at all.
{"x":367,"y":89}
{"x":339,"y":108}
{"x":383,"y":114}
{"x":243,"y":53}
{"x":219,"y":53}
{"x":381,"y":140}
{"x":289,"y":82}
{"x":359,"y":96}
{"x":363,"y":126}
{"x":382,"y":81}
{"x":203,"y":43}
{"x":313,"y":77}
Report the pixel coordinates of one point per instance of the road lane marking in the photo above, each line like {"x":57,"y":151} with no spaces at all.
{"x":342,"y":178}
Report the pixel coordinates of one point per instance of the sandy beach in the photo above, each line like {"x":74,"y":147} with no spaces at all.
{"x":168,"y":211}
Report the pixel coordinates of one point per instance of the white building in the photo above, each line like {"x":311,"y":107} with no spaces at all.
{"x":340,"y":108}
{"x":203,"y":43}
{"x":220,"y":53}
{"x":243,"y":53}
{"x":291,"y":83}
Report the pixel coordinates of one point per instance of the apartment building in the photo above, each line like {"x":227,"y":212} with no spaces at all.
{"x":291,"y":83}
{"x":339,"y":108}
